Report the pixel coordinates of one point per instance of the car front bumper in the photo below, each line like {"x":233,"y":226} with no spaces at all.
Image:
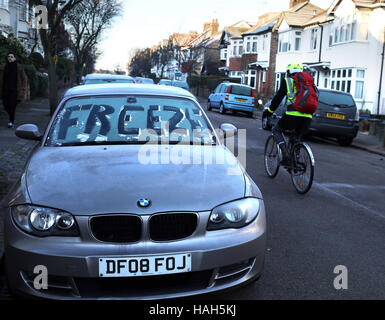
{"x":220,"y":259}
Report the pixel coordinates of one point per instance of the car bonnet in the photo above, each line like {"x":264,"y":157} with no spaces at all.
{"x":87,"y":180}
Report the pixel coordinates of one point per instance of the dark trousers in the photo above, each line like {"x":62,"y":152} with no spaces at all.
{"x":10,"y":102}
{"x":300,"y":124}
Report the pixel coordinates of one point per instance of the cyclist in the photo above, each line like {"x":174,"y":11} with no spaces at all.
{"x":292,"y":119}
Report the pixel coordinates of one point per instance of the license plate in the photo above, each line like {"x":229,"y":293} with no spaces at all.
{"x":241,"y":100}
{"x":144,"y":266}
{"x":335,"y":116}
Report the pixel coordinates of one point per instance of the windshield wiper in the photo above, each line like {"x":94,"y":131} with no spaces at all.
{"x":98,"y":143}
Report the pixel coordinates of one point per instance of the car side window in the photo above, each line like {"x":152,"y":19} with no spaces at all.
{"x":218,"y":89}
{"x":224,"y":88}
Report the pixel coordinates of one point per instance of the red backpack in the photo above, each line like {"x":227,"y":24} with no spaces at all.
{"x":306,"y":100}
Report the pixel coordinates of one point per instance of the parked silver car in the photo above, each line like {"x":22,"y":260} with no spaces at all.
{"x":111,"y":204}
{"x":337,"y":116}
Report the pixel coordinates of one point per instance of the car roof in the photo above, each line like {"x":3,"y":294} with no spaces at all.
{"x":106,"y":76}
{"x":126,"y":88}
{"x":234,"y":83}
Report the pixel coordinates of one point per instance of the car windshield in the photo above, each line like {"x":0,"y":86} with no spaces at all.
{"x":336,"y":99}
{"x":130,"y":120}
{"x":98,"y":81}
{"x":241,"y":90}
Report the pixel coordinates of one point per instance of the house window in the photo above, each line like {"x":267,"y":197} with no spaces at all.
{"x":284,"y":42}
{"x":264,"y":39}
{"x":248,"y":45}
{"x":255,"y":44}
{"x":264,"y":76}
{"x":297,"y":46}
{"x":313,"y":39}
{"x":4,"y":4}
{"x":354,"y":28}
{"x":359,"y":92}
{"x":235,"y":48}
{"x":23,"y":11}
{"x":336,"y":32}
{"x":224,"y":54}
{"x":330,"y":38}
{"x":342,"y":79}
{"x":240,"y":48}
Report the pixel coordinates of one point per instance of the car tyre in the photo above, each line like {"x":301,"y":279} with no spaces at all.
{"x":209,"y":107}
{"x":265,"y":124}
{"x":222,"y":109}
{"x":345,"y":141}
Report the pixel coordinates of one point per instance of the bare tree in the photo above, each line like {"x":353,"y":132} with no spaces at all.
{"x":56,"y":11}
{"x":163,"y":56}
{"x":140,"y":65}
{"x":87,"y":22}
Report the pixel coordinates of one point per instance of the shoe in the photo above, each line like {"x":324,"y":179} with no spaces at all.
{"x":10,"y":125}
{"x":285,"y":161}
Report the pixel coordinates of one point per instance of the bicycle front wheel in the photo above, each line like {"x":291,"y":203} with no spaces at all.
{"x":302,"y":164}
{"x":271,"y":157}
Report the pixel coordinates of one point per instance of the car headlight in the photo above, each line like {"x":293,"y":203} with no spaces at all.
{"x":236,"y":214}
{"x":44,"y":222}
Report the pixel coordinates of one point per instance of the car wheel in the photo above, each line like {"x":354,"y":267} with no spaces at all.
{"x":222,"y":108}
{"x":265,"y":124}
{"x":209,"y":105}
{"x":345,"y":141}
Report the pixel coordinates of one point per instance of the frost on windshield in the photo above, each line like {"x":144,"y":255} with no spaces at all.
{"x":129,"y":120}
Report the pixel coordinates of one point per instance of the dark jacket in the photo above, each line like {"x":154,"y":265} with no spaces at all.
{"x":21,"y":81}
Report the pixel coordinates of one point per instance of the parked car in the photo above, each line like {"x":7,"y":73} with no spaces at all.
{"x":144,"y":80}
{"x":337,"y":116}
{"x":98,"y":78}
{"x":174,"y":83}
{"x":101,"y":210}
{"x":232,"y":96}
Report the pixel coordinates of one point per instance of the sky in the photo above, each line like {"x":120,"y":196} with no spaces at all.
{"x":143,"y":23}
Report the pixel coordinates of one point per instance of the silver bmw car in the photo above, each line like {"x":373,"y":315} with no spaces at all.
{"x":131,"y":194}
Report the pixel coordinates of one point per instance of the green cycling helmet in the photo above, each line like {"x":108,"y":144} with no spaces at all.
{"x":294,"y":67}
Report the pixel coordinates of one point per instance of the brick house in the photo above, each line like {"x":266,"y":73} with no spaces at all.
{"x":258,"y":60}
{"x":231,"y":48}
{"x":203,"y":54}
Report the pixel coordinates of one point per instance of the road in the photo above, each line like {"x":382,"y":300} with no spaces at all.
{"x":341,"y":221}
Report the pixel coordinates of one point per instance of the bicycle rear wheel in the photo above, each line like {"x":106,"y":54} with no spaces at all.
{"x":271,"y":157}
{"x":302,"y":168}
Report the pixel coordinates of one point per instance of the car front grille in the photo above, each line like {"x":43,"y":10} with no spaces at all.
{"x":116,"y":228}
{"x":172,"y":226}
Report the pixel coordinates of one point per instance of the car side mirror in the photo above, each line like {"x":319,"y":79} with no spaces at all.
{"x":29,"y":132}
{"x":228,"y":130}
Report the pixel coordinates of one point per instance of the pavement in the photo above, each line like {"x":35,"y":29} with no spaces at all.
{"x":14,"y":152}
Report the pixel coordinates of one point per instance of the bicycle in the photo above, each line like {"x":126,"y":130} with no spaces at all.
{"x":301,"y":161}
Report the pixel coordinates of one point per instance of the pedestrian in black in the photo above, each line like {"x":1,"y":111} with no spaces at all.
{"x":12,"y":86}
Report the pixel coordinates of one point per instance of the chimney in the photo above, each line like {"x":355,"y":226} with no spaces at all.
{"x":214,"y":26}
{"x":206,"y":26}
{"x":295,"y":2}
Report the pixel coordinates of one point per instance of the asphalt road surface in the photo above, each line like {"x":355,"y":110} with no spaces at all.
{"x":340,"y":222}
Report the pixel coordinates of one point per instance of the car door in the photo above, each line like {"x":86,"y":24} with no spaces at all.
{"x":216,"y":95}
